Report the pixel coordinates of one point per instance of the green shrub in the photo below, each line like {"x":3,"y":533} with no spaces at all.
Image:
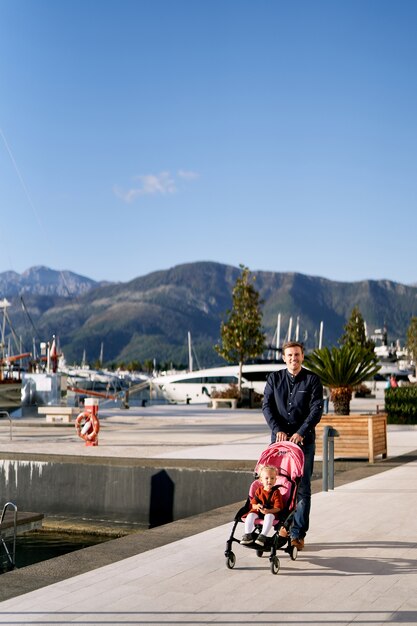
{"x":401,"y":405}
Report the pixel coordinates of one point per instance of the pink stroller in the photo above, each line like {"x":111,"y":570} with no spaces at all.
{"x":288,"y":458}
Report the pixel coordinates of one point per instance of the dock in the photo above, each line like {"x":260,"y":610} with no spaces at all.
{"x":26,"y":521}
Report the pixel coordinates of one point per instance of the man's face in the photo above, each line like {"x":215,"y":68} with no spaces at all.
{"x":293,"y":358}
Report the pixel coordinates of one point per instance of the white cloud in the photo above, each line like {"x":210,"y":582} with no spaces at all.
{"x":153,"y":184}
{"x":161,"y":183}
{"x":187,"y":175}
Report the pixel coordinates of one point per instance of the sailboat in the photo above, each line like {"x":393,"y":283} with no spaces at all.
{"x":10,"y":376}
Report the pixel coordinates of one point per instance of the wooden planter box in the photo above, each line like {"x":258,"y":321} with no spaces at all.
{"x":359,"y":435}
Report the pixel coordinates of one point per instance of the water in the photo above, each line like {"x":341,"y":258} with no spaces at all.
{"x":34,"y":547}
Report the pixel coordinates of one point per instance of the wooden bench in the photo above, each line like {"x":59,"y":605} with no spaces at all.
{"x":359,"y":435}
{"x":58,"y":413}
{"x":216,"y":401}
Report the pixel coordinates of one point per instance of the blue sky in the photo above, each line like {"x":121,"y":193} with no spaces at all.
{"x":139,"y":135}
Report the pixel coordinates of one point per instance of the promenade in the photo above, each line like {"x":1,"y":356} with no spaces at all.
{"x":359,"y":566}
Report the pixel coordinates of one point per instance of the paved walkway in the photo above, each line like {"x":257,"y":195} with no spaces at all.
{"x":359,"y":566}
{"x":165,"y":432}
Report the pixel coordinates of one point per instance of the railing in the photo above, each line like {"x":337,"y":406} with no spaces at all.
{"x":6,"y":414}
{"x":9,"y":556}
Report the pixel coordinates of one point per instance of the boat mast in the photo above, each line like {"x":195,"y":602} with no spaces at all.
{"x":3,"y":305}
{"x":278,"y":341}
{"x":190,"y":354}
{"x":321,"y":335}
{"x":289,"y":329}
{"x":297,"y":328}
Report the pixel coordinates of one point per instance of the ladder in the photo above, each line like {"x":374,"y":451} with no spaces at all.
{"x":8,"y":553}
{"x":6,"y":414}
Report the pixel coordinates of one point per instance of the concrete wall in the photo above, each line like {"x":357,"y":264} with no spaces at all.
{"x":130,"y":492}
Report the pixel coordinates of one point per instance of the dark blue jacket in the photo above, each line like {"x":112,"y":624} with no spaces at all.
{"x":293,"y":404}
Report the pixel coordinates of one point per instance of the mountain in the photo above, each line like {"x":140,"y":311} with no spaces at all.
{"x":42,"y":281}
{"x":150,"y":316}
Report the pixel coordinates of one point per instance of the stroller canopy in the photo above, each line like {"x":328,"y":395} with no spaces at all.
{"x":286,"y":456}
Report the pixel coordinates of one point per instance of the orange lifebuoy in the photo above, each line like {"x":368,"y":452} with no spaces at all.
{"x":87,"y":427}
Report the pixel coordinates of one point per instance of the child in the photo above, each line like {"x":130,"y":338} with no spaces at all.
{"x":266,"y":503}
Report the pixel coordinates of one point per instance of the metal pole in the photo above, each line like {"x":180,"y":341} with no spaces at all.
{"x":329,"y":434}
{"x":325,"y":482}
{"x":331,"y":460}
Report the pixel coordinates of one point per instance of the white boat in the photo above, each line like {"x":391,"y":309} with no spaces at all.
{"x":388,"y":369}
{"x":197,"y":387}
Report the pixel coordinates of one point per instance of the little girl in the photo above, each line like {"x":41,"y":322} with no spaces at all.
{"x":266,"y":503}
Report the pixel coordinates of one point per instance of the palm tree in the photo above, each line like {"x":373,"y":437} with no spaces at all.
{"x":342,"y":369}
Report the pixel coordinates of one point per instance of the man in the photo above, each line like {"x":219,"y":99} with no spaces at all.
{"x":292,"y":407}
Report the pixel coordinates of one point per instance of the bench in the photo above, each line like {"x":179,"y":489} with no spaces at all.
{"x":58,"y":413}
{"x":216,"y":401}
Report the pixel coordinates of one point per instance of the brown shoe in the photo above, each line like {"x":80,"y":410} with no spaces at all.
{"x":298,"y":543}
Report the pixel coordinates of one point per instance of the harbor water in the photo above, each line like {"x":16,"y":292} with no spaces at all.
{"x":36,"y":546}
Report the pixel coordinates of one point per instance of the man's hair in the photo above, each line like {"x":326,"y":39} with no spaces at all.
{"x":292,"y":344}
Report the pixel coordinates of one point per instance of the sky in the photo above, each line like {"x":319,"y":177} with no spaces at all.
{"x":277,"y":134}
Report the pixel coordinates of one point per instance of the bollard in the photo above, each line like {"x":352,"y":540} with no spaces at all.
{"x":87,"y":424}
{"x":329,"y":434}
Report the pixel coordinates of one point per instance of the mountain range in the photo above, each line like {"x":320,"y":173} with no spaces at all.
{"x":149,"y":318}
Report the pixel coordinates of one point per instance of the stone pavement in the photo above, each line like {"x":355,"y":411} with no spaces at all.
{"x":359,"y":566}
{"x":164,"y":432}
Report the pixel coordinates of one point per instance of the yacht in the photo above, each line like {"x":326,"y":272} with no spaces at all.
{"x":198,"y":386}
{"x":402,"y":373}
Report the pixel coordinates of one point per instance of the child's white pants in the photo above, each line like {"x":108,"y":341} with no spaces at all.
{"x":266,"y":526}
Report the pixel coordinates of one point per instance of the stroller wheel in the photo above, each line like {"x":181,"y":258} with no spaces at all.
{"x":231,"y":560}
{"x":293,"y":553}
{"x":275,"y":565}
{"x":259,"y":553}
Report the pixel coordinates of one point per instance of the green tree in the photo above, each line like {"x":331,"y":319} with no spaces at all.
{"x":134,"y":366}
{"x":241,"y":335}
{"x":148,"y":366}
{"x":355,"y":332}
{"x":412,"y":340}
{"x":342,"y":369}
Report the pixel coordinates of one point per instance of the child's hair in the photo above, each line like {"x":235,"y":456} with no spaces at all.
{"x":267,"y":467}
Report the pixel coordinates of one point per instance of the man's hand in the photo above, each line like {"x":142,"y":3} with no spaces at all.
{"x":296,"y":438}
{"x":281,"y":436}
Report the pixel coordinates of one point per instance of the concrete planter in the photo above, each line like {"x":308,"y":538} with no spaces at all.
{"x":359,"y":435}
